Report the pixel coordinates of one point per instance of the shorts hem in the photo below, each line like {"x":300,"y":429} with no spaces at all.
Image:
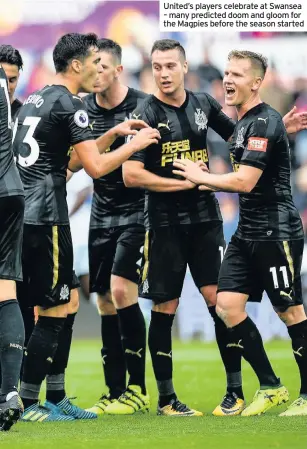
{"x":157,"y":299}
{"x":11,"y":278}
{"x":124,"y":276}
{"x":229,"y":290}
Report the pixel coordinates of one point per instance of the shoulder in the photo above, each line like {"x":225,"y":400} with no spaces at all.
{"x":206,"y":100}
{"x":137,"y":93}
{"x":266,"y":121}
{"x":89,"y":100}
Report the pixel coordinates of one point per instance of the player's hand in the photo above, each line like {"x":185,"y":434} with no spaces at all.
{"x":189,"y":170}
{"x":295,"y":121}
{"x":203,"y":166}
{"x":144,"y":138}
{"x":129,"y":127}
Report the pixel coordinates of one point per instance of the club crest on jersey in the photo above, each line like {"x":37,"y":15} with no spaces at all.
{"x":201,"y":119}
{"x":81,"y":118}
{"x":64,"y":293}
{"x":240,"y":138}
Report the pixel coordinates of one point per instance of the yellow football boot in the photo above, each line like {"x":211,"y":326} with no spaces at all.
{"x":177,"y":408}
{"x":266,"y":399}
{"x":130,"y":402}
{"x":231,"y":405}
{"x":297,"y":408}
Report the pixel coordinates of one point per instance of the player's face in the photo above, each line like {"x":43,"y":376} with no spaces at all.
{"x":109,"y":73}
{"x":240,"y":82}
{"x":12,"y":74}
{"x":90,"y":71}
{"x":168,"y":70}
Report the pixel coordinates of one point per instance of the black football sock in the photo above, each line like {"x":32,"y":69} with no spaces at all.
{"x":246,"y":337}
{"x":133,"y":332}
{"x":231,"y":356}
{"x":29,"y":323}
{"x":160,"y":346}
{"x":11,"y":345}
{"x":55,"y":380}
{"x":298,"y":334}
{"x":39,"y":355}
{"x":112,"y":354}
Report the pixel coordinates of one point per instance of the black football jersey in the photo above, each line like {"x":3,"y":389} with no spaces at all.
{"x":183,"y":135}
{"x":267,"y":212}
{"x":10,"y":183}
{"x":49,"y":122}
{"x":15,"y":106}
{"x":114,"y":204}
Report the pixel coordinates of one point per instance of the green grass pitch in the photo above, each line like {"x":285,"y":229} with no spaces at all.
{"x":199,"y":380}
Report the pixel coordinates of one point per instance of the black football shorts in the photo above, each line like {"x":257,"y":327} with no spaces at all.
{"x":116,"y":251}
{"x":11,"y":234}
{"x":251,"y":267}
{"x":169,"y":250}
{"x":47,"y":263}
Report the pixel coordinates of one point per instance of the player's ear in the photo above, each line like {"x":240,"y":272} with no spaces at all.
{"x":185,"y":67}
{"x":256,"y":84}
{"x":119,"y":70}
{"x":76,"y":65}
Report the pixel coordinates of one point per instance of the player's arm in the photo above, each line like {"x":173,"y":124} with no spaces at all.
{"x":81,"y":198}
{"x":258,"y":145}
{"x":97,"y":165}
{"x":135,"y":175}
{"x":242,"y":181}
{"x":69,"y":175}
{"x":124,"y":129}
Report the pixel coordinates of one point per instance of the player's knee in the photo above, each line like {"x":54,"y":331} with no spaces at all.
{"x":124,"y":292}
{"x":73,"y":305}
{"x":293,"y":315}
{"x":168,"y":307}
{"x":209,"y":294}
{"x":105,"y":304}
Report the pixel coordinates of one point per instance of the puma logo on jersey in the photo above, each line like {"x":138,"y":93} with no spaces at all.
{"x":164,"y":125}
{"x":235,"y":345}
{"x":136,"y":116}
{"x":103,"y":359}
{"x":298,"y":352}
{"x":289,"y":295}
{"x":137,"y":353}
{"x":164,"y":354}
{"x":91,"y":125}
{"x":263,"y":119}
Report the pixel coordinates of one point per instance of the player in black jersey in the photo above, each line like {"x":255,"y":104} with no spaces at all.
{"x":115,"y":240}
{"x":11,"y":233}
{"x":12,"y":63}
{"x":184,"y":225}
{"x":51,"y":121}
{"x":266,"y":250}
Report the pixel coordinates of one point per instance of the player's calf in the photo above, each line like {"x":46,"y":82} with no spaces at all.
{"x":296,"y":321}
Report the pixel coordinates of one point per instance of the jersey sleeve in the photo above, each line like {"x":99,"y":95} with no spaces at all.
{"x":73,"y":111}
{"x":140,"y":113}
{"x":222,"y":124}
{"x":259,"y":141}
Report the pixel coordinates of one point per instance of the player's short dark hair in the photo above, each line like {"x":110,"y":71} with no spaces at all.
{"x":257,"y":60}
{"x":10,"y":55}
{"x":72,"y":46}
{"x":168,"y":44}
{"x":111,"y":47}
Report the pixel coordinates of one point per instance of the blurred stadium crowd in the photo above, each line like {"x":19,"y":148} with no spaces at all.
{"x":134,"y":25}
